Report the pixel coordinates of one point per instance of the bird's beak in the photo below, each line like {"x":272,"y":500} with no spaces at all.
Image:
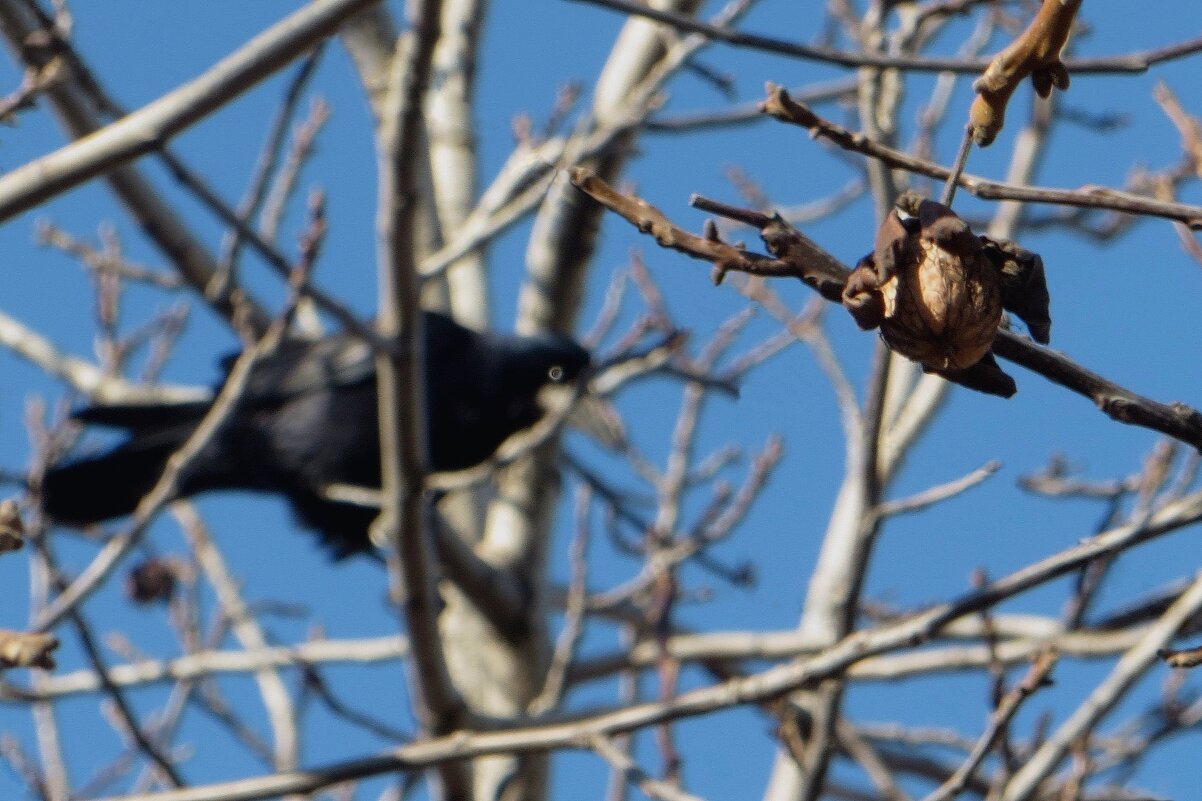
{"x":598,"y":419}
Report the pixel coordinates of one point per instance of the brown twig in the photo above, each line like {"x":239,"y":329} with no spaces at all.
{"x":799,"y":257}
{"x":780,"y":106}
{"x":1131,"y":63}
{"x":953,"y":177}
{"x":256,"y":190}
{"x":1184,"y":658}
{"x":1038,"y":676}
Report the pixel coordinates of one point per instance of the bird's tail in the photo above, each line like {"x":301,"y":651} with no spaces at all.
{"x":108,"y":485}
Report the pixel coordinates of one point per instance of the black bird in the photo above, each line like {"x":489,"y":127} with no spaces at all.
{"x":308,"y":419}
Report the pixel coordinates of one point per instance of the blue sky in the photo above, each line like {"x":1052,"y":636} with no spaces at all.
{"x":1127,"y":309}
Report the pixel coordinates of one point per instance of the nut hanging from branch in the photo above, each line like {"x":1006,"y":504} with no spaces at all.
{"x":937,"y":292}
{"x":1035,"y":53}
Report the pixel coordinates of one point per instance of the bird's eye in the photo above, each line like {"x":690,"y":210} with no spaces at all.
{"x":555,"y":373}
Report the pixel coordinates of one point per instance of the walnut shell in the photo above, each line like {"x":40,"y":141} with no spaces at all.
{"x":929,"y":286}
{"x":942,"y":309}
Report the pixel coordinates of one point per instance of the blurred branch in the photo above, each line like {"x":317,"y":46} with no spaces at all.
{"x":1038,"y":676}
{"x":133,"y":729}
{"x":203,"y":664}
{"x":163,"y":492}
{"x":766,"y":685}
{"x":937,"y":494}
{"x":276,"y":699}
{"x":452,"y":149}
{"x":82,"y":105}
{"x":1105,"y":696}
{"x":84,"y":376}
{"x":621,"y":762}
{"x":148,"y":128}
{"x":681,"y":122}
{"x":256,"y":191}
{"x":402,"y":405}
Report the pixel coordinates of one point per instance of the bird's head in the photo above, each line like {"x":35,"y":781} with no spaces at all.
{"x":547,"y":360}
{"x":540,"y":373}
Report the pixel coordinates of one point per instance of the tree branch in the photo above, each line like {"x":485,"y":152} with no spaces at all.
{"x":145,"y":130}
{"x":799,"y":257}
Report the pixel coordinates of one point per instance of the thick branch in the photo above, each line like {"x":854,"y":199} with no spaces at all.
{"x":148,"y":128}
{"x":402,"y":414}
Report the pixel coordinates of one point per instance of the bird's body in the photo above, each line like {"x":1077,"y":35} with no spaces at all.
{"x":308,"y":420}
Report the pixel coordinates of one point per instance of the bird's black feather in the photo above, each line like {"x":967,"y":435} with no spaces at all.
{"x":308,"y":419}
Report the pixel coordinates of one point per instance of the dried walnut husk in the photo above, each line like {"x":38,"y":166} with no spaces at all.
{"x":929,"y":286}
{"x":937,"y":292}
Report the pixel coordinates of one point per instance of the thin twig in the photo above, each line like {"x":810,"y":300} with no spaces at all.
{"x":953,"y":177}
{"x":165,"y":488}
{"x":1131,"y":63}
{"x":621,"y":762}
{"x":939,"y":493}
{"x":1038,"y":676}
{"x":782,"y":107}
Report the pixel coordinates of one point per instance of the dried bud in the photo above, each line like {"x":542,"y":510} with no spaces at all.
{"x":22,"y":649}
{"x":1189,"y":658}
{"x":151,"y":581}
{"x":12,"y":529}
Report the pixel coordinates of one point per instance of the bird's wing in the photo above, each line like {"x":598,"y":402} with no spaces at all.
{"x":137,"y":417}
{"x":300,"y":366}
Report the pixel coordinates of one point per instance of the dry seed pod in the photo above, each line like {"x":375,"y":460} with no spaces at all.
{"x":150,"y":581}
{"x":12,"y":529}
{"x":1024,"y":286}
{"x":24,"y":649}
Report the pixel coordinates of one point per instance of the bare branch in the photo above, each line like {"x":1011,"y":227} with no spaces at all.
{"x":145,"y":130}
{"x":939,"y":493}
{"x":799,"y":257}
{"x":1038,"y":676}
{"x":1133,"y":63}
{"x":782,"y":107}
{"x":1109,"y":692}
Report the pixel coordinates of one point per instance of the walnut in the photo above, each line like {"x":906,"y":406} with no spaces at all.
{"x":937,"y":292}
